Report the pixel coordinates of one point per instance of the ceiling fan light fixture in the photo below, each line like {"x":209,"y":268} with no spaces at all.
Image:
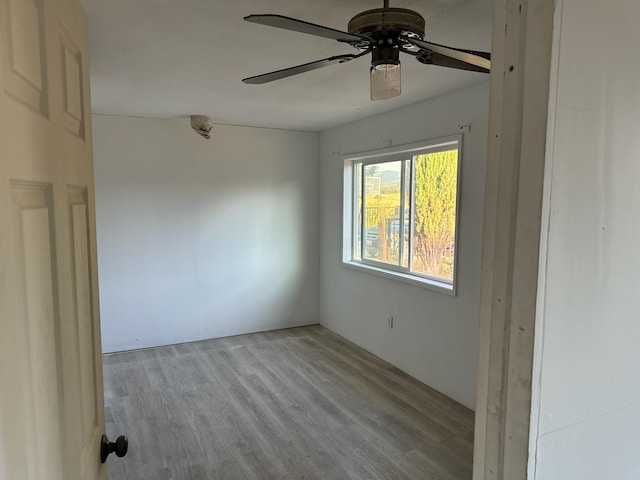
{"x":385,"y":71}
{"x":385,"y":81}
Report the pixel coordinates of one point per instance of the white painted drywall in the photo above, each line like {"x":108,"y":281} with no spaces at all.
{"x":434,"y":337}
{"x":586,"y":402}
{"x":200,"y":239}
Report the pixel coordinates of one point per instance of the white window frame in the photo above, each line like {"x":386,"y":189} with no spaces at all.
{"x":349,"y":227}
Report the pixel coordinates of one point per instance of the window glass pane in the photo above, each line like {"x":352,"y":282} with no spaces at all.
{"x":357,"y":212}
{"x":407,"y":213}
{"x":434,"y":217}
{"x":382,"y":212}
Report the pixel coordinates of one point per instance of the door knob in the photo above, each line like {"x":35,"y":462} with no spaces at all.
{"x":120,"y":447}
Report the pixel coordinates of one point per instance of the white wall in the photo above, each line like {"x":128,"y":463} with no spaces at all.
{"x":586,"y":402}
{"x":434,"y":337}
{"x":200,"y":239}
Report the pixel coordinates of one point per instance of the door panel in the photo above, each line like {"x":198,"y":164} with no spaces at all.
{"x":83,"y":353}
{"x":72,"y":84}
{"x":51,"y":398}
{"x":24,"y":35}
{"x":35,"y":329}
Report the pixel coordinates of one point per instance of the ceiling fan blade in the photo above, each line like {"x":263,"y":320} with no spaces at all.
{"x":301,"y":26}
{"x":306,"y":67}
{"x":433,"y":58}
{"x":479,"y":59}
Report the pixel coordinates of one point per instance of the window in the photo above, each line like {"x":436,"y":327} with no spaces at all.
{"x":401,"y":211}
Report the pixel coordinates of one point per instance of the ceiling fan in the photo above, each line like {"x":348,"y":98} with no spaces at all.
{"x":383,"y":32}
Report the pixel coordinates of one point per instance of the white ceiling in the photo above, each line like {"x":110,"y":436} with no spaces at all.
{"x":173,"y":58}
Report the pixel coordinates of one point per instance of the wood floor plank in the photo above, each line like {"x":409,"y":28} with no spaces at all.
{"x":300,"y":403}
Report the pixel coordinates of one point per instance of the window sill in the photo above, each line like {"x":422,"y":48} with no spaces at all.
{"x":427,"y":283}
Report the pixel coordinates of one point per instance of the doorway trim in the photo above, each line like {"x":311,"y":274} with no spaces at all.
{"x":519,"y":104}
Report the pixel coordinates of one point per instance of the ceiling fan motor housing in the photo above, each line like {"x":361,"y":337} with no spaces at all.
{"x":387,"y":22}
{"x":384,"y":26}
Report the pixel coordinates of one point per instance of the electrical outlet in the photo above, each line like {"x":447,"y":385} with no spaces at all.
{"x":390,"y":321}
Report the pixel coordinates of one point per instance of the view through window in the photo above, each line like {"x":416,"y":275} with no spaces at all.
{"x":405,"y":207}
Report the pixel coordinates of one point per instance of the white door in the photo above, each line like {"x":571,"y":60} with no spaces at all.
{"x":51,"y":399}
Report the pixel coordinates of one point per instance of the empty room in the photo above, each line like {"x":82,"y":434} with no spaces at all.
{"x":319,"y":240}
{"x":274,"y":328}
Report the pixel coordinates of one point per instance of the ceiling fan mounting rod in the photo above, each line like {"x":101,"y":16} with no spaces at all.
{"x":386,"y":4}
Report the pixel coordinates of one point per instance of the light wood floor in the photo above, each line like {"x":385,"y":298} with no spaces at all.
{"x":301,"y":403}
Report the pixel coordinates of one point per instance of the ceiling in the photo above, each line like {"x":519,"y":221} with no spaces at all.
{"x":174,"y":58}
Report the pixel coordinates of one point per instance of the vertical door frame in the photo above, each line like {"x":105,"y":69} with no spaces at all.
{"x":519,"y":104}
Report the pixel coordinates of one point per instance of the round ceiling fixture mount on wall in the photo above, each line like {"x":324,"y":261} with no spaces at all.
{"x":202,"y":125}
